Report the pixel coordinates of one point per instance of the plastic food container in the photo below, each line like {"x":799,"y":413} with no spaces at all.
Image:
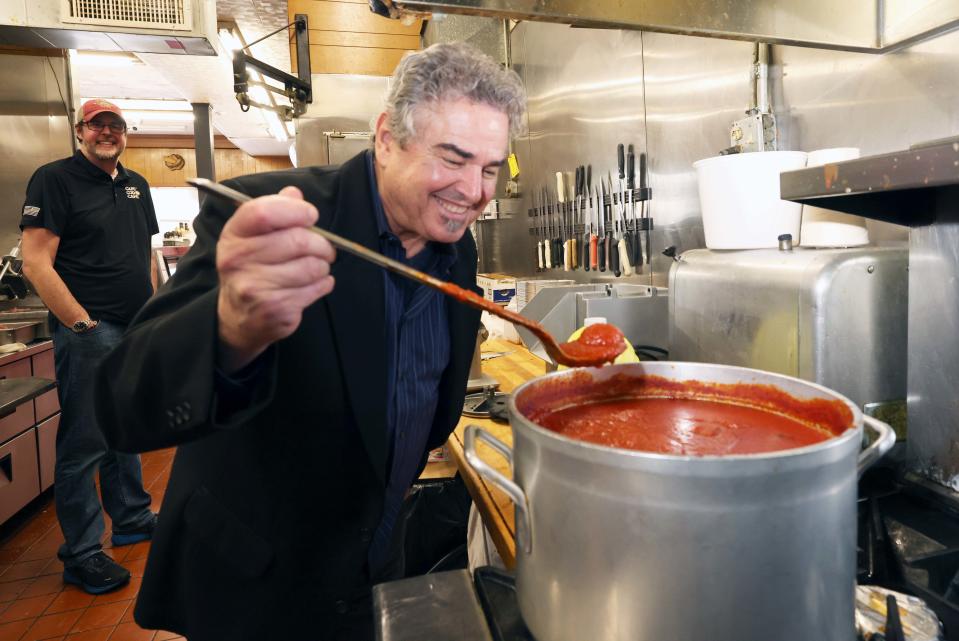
{"x":739,"y":197}
{"x":826,"y":228}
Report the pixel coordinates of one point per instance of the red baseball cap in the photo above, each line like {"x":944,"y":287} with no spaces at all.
{"x":91,"y":108}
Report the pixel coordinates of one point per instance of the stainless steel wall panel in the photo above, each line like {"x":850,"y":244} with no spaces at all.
{"x":585,"y":91}
{"x":876,"y":103}
{"x":695,"y":89}
{"x":933,"y":442}
{"x":586,"y":94}
{"x":36,"y":129}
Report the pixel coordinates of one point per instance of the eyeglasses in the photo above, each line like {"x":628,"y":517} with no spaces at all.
{"x":115,"y":127}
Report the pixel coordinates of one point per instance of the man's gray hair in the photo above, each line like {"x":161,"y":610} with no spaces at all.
{"x":450,"y":71}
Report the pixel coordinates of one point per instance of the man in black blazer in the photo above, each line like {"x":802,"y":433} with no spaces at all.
{"x":304,"y":389}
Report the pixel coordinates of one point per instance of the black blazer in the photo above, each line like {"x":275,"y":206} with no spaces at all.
{"x":267,"y":519}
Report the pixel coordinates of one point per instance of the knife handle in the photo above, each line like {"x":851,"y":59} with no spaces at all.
{"x":586,"y":253}
{"x":541,"y":263}
{"x":611,"y":254}
{"x":547,"y":254}
{"x":631,"y":171}
{"x":593,"y":260}
{"x":601,"y":250}
{"x":574,"y":253}
{"x":642,"y":171}
{"x":624,"y":256}
{"x":621,"y":160}
{"x":636,"y":248}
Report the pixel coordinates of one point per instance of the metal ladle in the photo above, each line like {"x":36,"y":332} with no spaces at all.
{"x":561,"y":353}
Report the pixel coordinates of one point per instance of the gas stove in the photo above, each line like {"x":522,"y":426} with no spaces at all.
{"x":908,"y":541}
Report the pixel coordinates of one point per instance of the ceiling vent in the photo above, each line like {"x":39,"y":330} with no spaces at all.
{"x":142,"y":14}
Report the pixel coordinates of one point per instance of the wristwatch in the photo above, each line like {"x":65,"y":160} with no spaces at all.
{"x":84,"y":325}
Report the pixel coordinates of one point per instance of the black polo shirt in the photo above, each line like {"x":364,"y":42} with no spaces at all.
{"x":104,"y":227}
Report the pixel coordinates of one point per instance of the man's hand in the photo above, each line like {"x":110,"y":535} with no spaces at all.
{"x":271,"y":267}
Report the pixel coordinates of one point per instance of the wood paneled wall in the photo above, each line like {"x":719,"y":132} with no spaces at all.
{"x":346,"y":37}
{"x":149,"y":162}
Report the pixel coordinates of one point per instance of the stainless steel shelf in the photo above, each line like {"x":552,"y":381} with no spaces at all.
{"x":913,"y":187}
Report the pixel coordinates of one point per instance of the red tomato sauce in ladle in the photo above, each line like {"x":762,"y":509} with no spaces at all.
{"x":598,"y":344}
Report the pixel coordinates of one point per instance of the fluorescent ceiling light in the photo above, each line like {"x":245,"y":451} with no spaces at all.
{"x":161,"y":116}
{"x":276,"y":127}
{"x":230,"y":41}
{"x":104,"y":59}
{"x":148,"y":104}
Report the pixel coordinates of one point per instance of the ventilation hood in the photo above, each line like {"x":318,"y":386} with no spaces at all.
{"x":871,"y":26}
{"x":183,"y":27}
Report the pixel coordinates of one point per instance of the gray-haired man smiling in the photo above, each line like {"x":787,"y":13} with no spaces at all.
{"x":313,"y":386}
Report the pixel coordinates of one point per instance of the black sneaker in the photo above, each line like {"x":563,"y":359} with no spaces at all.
{"x":97,"y":574}
{"x":129,"y":537}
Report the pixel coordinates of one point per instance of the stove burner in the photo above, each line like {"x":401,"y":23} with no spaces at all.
{"x":909,"y":541}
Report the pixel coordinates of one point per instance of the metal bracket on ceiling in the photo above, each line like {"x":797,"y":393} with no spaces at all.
{"x":298,"y":89}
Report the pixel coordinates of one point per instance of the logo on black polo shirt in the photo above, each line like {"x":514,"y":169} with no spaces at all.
{"x":132,"y":192}
{"x":30,"y":210}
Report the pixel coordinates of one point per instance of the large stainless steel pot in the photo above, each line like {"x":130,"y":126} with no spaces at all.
{"x":616,"y":545}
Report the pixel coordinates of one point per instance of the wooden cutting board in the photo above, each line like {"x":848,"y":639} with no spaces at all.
{"x":510,"y":370}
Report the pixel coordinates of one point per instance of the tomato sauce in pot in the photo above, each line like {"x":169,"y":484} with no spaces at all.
{"x":690,"y":418}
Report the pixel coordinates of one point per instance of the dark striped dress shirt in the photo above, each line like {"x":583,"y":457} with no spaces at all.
{"x":418,"y":351}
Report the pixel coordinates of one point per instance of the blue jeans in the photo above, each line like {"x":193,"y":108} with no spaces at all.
{"x":82,"y":450}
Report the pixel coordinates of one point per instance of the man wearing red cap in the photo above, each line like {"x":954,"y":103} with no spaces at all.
{"x":87,"y":223}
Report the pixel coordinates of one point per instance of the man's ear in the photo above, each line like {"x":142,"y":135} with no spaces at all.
{"x":385,"y":141}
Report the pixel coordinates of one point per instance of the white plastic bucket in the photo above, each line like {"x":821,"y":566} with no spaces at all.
{"x":739,"y":197}
{"x":827,"y":228}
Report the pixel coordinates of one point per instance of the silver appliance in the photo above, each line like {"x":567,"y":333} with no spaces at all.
{"x":640,"y":312}
{"x":837,"y":317}
{"x":343,"y":146}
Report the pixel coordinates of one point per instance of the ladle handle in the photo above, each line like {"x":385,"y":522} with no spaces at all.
{"x":882,"y":444}
{"x":524,"y":539}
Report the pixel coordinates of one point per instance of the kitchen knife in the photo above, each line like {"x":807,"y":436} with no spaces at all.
{"x":643,"y":184}
{"x":539,"y":244}
{"x":612,"y":254}
{"x":601,"y":238}
{"x":561,"y":205}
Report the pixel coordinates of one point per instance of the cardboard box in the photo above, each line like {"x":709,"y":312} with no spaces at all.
{"x":498,"y":288}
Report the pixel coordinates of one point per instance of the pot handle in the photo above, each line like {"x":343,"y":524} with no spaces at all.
{"x":884,"y":442}
{"x":484,"y":469}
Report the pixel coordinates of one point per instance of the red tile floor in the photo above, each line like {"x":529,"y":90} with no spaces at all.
{"x":34,"y":602}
